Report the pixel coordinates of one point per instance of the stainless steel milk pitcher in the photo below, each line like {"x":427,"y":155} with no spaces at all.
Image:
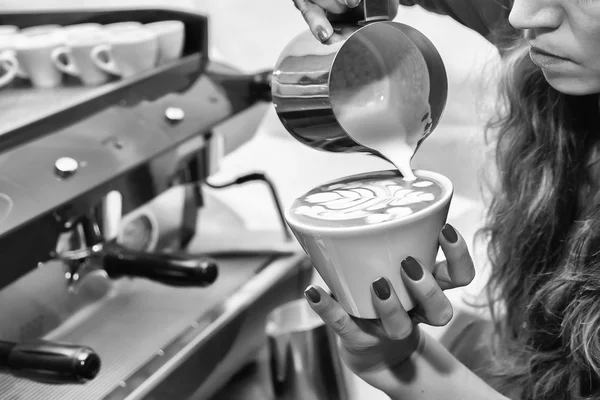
{"x":305,"y":363}
{"x":321,"y":92}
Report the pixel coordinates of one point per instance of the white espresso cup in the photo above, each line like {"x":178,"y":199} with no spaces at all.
{"x":84,"y":27}
{"x":8,"y":29}
{"x":122,"y":26}
{"x":360,"y":228}
{"x":171,"y":36}
{"x":127,"y":53}
{"x":34,"y":54}
{"x":40,"y":30}
{"x":9,"y":66}
{"x":75,"y":58}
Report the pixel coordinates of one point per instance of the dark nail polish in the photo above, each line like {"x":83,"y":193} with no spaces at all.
{"x":412,"y":268}
{"x":450,"y":233}
{"x":322,"y":34}
{"x":312,"y":294}
{"x":381,"y":288}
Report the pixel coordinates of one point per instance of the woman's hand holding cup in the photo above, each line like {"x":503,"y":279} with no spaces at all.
{"x":372,"y":348}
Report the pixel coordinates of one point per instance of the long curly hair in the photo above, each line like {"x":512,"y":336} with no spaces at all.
{"x":543,"y":235}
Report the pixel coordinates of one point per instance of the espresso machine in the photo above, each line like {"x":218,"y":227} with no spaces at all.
{"x":84,"y":316}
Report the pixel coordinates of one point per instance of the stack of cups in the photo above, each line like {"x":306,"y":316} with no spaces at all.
{"x":8,"y":62}
{"x":91,"y":52}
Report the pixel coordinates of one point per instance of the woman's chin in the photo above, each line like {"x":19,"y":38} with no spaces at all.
{"x":572,"y":85}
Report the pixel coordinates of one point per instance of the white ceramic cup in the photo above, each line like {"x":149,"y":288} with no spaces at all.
{"x":72,"y":30}
{"x":8,"y":69}
{"x":122,"y":26}
{"x":127,"y":53}
{"x":40,"y":30}
{"x":9,"y":66}
{"x":75,"y":58}
{"x":8,"y":29}
{"x":349,"y":258}
{"x":171,"y":36}
{"x":34,"y":54}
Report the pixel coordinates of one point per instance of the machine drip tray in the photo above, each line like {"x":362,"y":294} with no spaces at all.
{"x":157,"y":341}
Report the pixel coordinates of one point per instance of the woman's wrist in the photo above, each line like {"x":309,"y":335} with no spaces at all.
{"x":387,"y":379}
{"x":431,"y":373}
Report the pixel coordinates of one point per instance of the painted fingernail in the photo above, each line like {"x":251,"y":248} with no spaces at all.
{"x":450,"y":233}
{"x":352,"y":3}
{"x":322,"y":34}
{"x":312,"y":294}
{"x":381,"y":288}
{"x":412,"y":268}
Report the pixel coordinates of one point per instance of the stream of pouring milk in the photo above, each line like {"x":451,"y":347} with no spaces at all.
{"x":392,"y":134}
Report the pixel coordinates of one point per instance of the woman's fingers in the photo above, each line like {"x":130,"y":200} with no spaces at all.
{"x":458,"y":269}
{"x":394,"y":318}
{"x":316,"y":18}
{"x":315,"y":15}
{"x":433,"y":305}
{"x":333,"y":314}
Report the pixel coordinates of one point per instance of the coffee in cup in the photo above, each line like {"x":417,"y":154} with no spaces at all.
{"x":359,"y":228}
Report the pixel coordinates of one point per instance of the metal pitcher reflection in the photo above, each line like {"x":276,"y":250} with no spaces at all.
{"x":305,"y":363}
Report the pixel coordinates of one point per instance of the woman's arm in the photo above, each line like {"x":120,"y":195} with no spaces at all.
{"x":482,"y":16}
{"x":432,"y":373}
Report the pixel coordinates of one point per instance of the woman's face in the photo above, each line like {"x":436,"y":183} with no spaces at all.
{"x":564,"y":40}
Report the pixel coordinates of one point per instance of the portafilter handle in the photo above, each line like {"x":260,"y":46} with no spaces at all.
{"x":49,"y":362}
{"x":169,"y":269}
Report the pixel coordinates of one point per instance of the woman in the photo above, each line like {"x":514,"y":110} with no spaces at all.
{"x":543,"y":229}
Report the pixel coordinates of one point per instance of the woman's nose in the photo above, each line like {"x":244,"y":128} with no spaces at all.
{"x":536,"y":14}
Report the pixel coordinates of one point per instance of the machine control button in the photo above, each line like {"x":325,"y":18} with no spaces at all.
{"x":174,"y":114}
{"x":65,"y":167}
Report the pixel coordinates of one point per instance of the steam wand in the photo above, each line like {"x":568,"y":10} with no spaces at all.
{"x":257,"y":176}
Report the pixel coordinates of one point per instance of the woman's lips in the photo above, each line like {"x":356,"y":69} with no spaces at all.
{"x":547,"y":60}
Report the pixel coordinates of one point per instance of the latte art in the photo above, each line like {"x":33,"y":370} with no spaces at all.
{"x":366,"y":201}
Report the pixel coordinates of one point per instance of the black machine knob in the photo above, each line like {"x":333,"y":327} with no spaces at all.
{"x":170,"y":269}
{"x":65,"y":167}
{"x":50,"y":362}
